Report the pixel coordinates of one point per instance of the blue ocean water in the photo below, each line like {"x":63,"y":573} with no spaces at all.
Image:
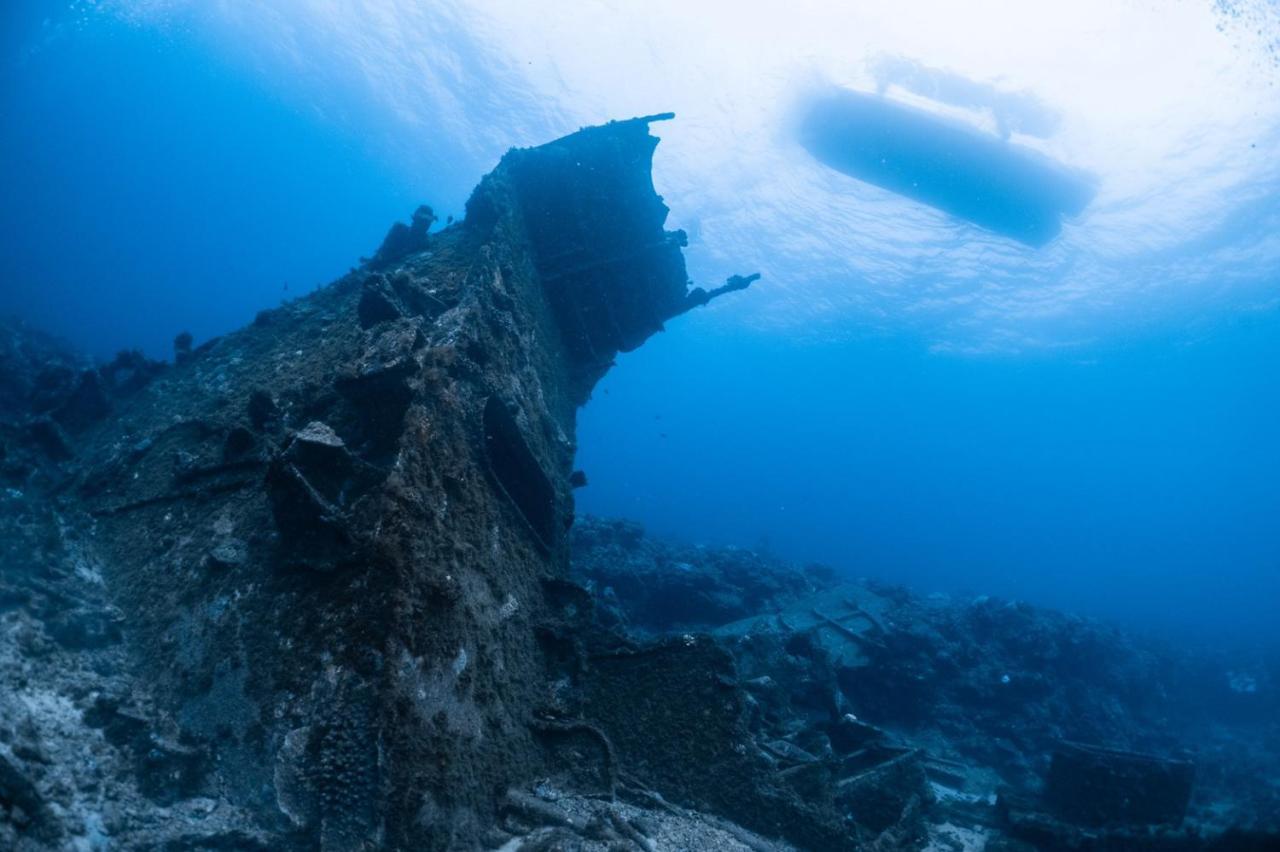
{"x":1085,"y":419}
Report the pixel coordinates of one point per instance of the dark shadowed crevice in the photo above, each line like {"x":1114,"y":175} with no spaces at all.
{"x":517,"y":473}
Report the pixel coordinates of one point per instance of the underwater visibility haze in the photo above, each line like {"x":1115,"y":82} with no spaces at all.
{"x":963,"y":392}
{"x":985,"y":463}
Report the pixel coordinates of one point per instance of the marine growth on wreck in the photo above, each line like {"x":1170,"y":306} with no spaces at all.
{"x":354,"y":574}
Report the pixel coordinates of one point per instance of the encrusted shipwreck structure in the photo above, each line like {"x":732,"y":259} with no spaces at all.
{"x":309,"y":588}
{"x":320,"y":549}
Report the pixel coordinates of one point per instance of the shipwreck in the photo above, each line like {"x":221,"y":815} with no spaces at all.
{"x":324,"y":542}
{"x":309,"y":587}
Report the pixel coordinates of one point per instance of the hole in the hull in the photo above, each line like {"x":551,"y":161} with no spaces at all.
{"x":517,"y":472}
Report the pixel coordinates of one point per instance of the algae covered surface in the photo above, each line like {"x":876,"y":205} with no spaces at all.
{"x":319,"y":583}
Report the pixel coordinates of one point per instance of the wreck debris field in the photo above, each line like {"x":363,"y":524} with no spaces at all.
{"x":642,"y":426}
